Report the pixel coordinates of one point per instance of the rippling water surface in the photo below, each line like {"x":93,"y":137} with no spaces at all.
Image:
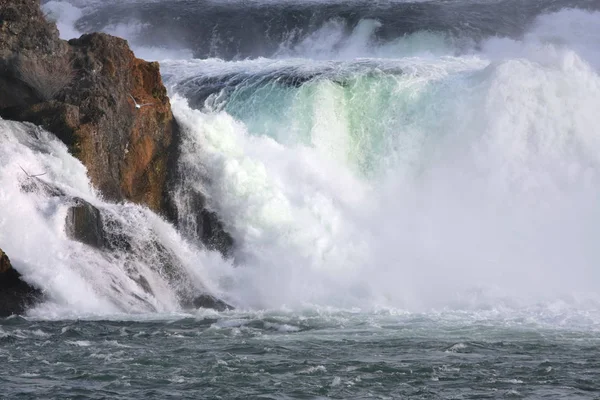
{"x":306,"y":355}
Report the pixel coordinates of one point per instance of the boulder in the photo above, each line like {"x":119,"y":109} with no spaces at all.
{"x":16,"y":295}
{"x":125,"y":149}
{"x":197,"y":221}
{"x":208,"y":301}
{"x":84,"y":224}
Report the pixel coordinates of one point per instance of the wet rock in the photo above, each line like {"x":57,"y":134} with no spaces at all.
{"x":85,"y":92}
{"x":57,"y":117}
{"x":35,"y":185}
{"x":208,"y":301}
{"x":16,"y":295}
{"x":84,"y":224}
{"x":143,"y":282}
{"x":87,"y":224}
{"x":196,"y":220}
{"x":125,"y":149}
{"x":212,"y":233}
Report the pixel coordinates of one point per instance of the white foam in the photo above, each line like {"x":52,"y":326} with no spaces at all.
{"x":29,"y":375}
{"x":331,"y":41}
{"x":282,"y":327}
{"x":77,"y":279}
{"x":570,"y":29}
{"x":313,"y":369}
{"x":490,"y":168}
{"x":79,"y":343}
{"x":40,"y":333}
{"x":483,"y":196}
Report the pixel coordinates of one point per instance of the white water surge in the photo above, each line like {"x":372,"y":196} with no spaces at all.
{"x":467,"y":181}
{"x":422,"y":176}
{"x":76,"y":278}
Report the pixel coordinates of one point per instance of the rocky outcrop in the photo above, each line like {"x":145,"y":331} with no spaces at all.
{"x":197,"y":221}
{"x":208,"y":301}
{"x":24,"y":35}
{"x":15,"y":294}
{"x":86,"y":91}
{"x":84,"y":224}
{"x":87,"y":224}
{"x":88,"y":99}
{"x":89,"y":92}
{"x":126,"y":149}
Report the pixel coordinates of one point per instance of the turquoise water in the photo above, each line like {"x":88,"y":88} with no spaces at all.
{"x":368,"y":107}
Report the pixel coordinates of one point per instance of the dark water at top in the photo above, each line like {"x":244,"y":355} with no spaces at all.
{"x":338,"y":355}
{"x":235,"y":29}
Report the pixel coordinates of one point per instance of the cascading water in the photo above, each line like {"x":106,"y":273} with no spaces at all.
{"x":417,"y":172}
{"x":152,"y":274}
{"x":412,"y":181}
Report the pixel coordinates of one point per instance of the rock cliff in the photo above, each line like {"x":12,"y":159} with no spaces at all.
{"x":89,"y":92}
{"x":85,"y":91}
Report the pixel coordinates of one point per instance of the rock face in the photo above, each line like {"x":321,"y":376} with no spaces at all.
{"x":208,"y":301}
{"x":24,"y":35}
{"x":203,"y":224}
{"x":87,"y":224}
{"x":15,"y":294}
{"x":85,"y":91}
{"x":84,"y":224}
{"x":126,"y":149}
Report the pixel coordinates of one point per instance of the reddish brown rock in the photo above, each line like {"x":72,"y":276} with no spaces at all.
{"x":126,"y":149}
{"x":83,"y":91}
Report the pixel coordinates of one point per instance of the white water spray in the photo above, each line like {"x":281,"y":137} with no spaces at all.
{"x":484,"y":192}
{"x":78,"y":279}
{"x":468,"y":180}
